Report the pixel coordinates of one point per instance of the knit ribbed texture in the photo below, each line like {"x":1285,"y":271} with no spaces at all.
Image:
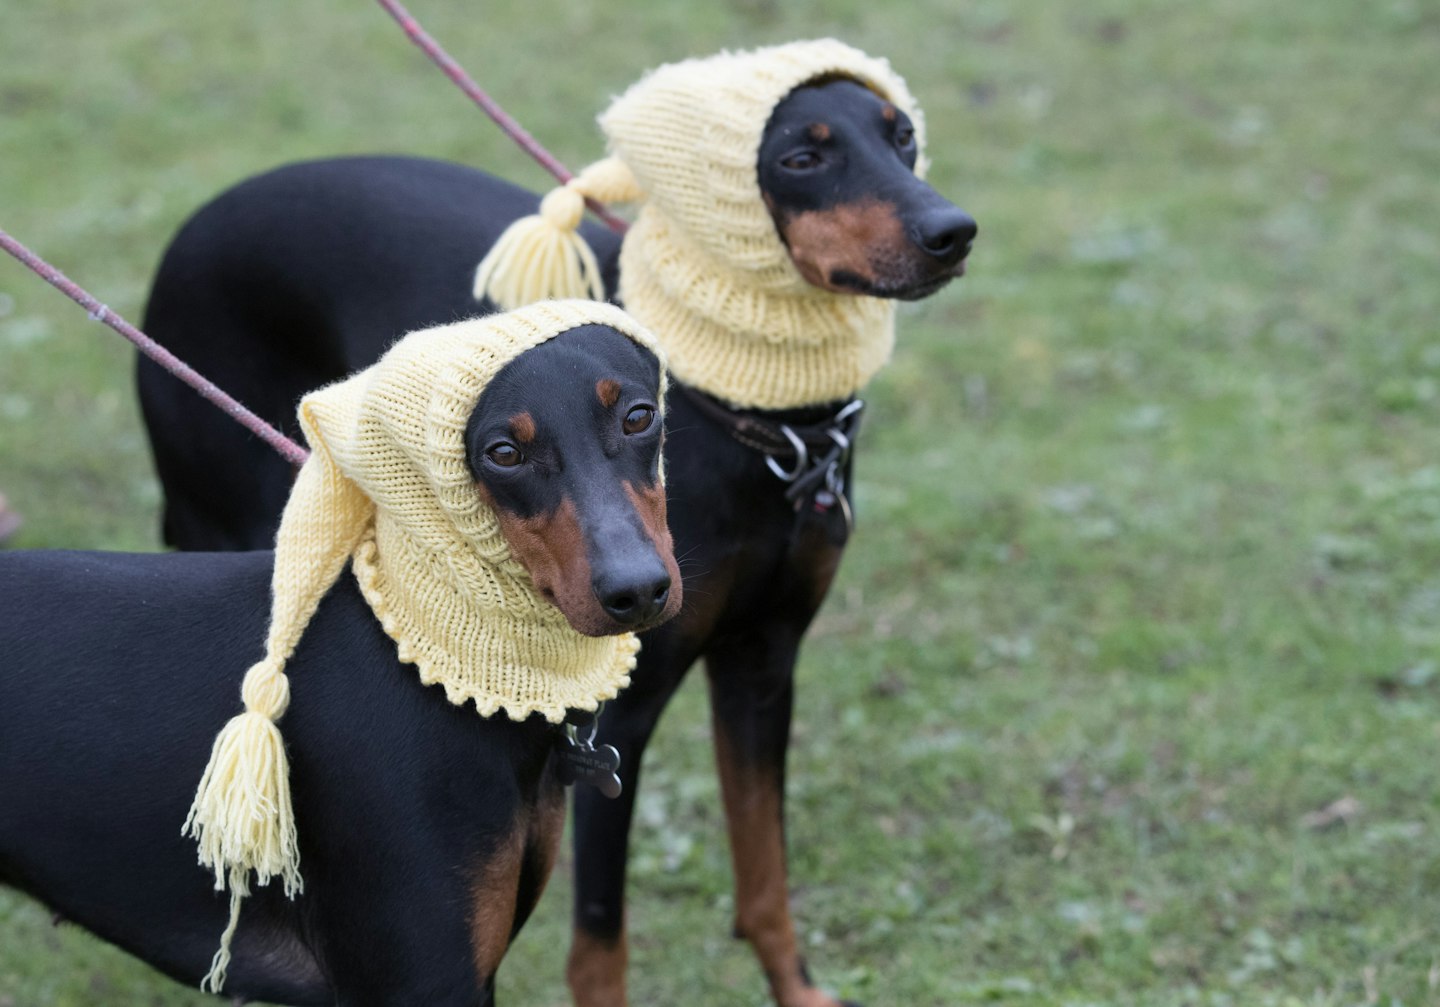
{"x":704,"y":266}
{"x":544,"y":255}
{"x":752,"y":347}
{"x":388,"y":486}
{"x":691,"y":132}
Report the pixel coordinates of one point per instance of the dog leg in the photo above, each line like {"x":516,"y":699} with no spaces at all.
{"x":599,"y":954}
{"x":751,"y":697}
{"x":595,"y":970}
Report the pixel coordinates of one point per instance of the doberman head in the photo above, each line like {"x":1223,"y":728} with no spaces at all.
{"x":837,"y":171}
{"x":564,"y":444}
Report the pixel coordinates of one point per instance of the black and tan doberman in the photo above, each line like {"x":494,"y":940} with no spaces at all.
{"x":427,"y":832}
{"x":306,"y":273}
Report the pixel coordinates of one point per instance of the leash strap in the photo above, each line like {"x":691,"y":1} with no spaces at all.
{"x":288,"y":449}
{"x":284,"y":446}
{"x":490,"y":106}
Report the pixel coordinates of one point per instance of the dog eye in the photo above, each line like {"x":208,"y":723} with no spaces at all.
{"x":638,"y":420}
{"x":905,"y":137}
{"x":504,"y":454}
{"x":802,"y":160}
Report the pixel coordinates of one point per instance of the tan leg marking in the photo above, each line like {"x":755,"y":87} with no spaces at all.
{"x":595,"y":970}
{"x":492,"y":901}
{"x":547,"y":826}
{"x":762,"y":896}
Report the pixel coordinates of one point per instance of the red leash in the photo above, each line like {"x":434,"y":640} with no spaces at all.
{"x":490,"y":107}
{"x":287,"y":448}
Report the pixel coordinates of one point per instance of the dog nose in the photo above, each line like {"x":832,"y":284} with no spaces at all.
{"x":635,"y":596}
{"x":946,"y":235}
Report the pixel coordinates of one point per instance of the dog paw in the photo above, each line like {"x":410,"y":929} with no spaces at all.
{"x":814,"y":997}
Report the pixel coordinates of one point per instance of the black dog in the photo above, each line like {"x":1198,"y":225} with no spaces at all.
{"x":427,"y":832}
{"x":304,"y":274}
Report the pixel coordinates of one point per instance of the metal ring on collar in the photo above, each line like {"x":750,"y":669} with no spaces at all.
{"x":802,"y":457}
{"x":592,"y":728}
{"x":848,"y":410}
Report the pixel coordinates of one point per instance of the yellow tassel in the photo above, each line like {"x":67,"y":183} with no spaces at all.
{"x":542,"y":257}
{"x":242,"y":817}
{"x":220,"y":964}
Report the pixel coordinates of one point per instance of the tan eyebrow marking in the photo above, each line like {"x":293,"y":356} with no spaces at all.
{"x":607,"y":390}
{"x":889,"y":112}
{"x":522,"y":425}
{"x":818,"y":132}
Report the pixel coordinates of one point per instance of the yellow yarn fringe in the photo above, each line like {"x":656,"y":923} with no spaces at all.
{"x":220,"y":964}
{"x":543,"y":257}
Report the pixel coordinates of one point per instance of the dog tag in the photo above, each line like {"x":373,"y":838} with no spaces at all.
{"x":580,"y":761}
{"x":598,"y":767}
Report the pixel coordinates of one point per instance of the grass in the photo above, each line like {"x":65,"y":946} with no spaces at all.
{"x":1129,"y":691}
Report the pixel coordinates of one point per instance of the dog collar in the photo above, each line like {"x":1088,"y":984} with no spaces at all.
{"x":810,"y":459}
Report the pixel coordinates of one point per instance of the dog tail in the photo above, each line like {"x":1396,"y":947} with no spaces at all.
{"x":543,"y":256}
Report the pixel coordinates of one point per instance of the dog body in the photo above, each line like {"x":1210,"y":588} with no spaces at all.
{"x":105,"y":727}
{"x":300,"y":275}
{"x":427,"y":832}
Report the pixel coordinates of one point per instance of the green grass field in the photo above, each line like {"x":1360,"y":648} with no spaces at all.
{"x":1129,"y":691}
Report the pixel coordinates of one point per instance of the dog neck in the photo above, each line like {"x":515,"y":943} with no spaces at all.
{"x":482,"y":631}
{"x":757,"y":337}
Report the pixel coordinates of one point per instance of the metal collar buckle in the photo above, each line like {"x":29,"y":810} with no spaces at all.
{"x":821,"y":478}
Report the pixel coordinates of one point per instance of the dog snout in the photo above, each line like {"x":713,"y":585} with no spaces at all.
{"x":635,"y":594}
{"x":946,"y":235}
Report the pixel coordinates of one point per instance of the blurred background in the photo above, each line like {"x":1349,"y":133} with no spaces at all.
{"x":1129,"y":690}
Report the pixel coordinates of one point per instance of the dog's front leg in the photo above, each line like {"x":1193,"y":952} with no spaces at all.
{"x":599,"y":953}
{"x":751,"y":696}
{"x":432,"y":937}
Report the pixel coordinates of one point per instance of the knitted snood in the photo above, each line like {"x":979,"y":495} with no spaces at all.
{"x":690,"y":133}
{"x":433,"y":565}
{"x":752,"y":347}
{"x":387,"y":485}
{"x":704,"y":266}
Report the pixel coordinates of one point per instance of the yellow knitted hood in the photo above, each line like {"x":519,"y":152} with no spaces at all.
{"x":704,"y":265}
{"x":690,"y":133}
{"x":387,"y":485}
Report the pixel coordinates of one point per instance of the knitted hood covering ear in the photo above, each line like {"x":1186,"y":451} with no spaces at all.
{"x":388,"y":487}
{"x":704,"y":266}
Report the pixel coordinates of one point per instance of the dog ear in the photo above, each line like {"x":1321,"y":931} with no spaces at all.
{"x":543,"y":257}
